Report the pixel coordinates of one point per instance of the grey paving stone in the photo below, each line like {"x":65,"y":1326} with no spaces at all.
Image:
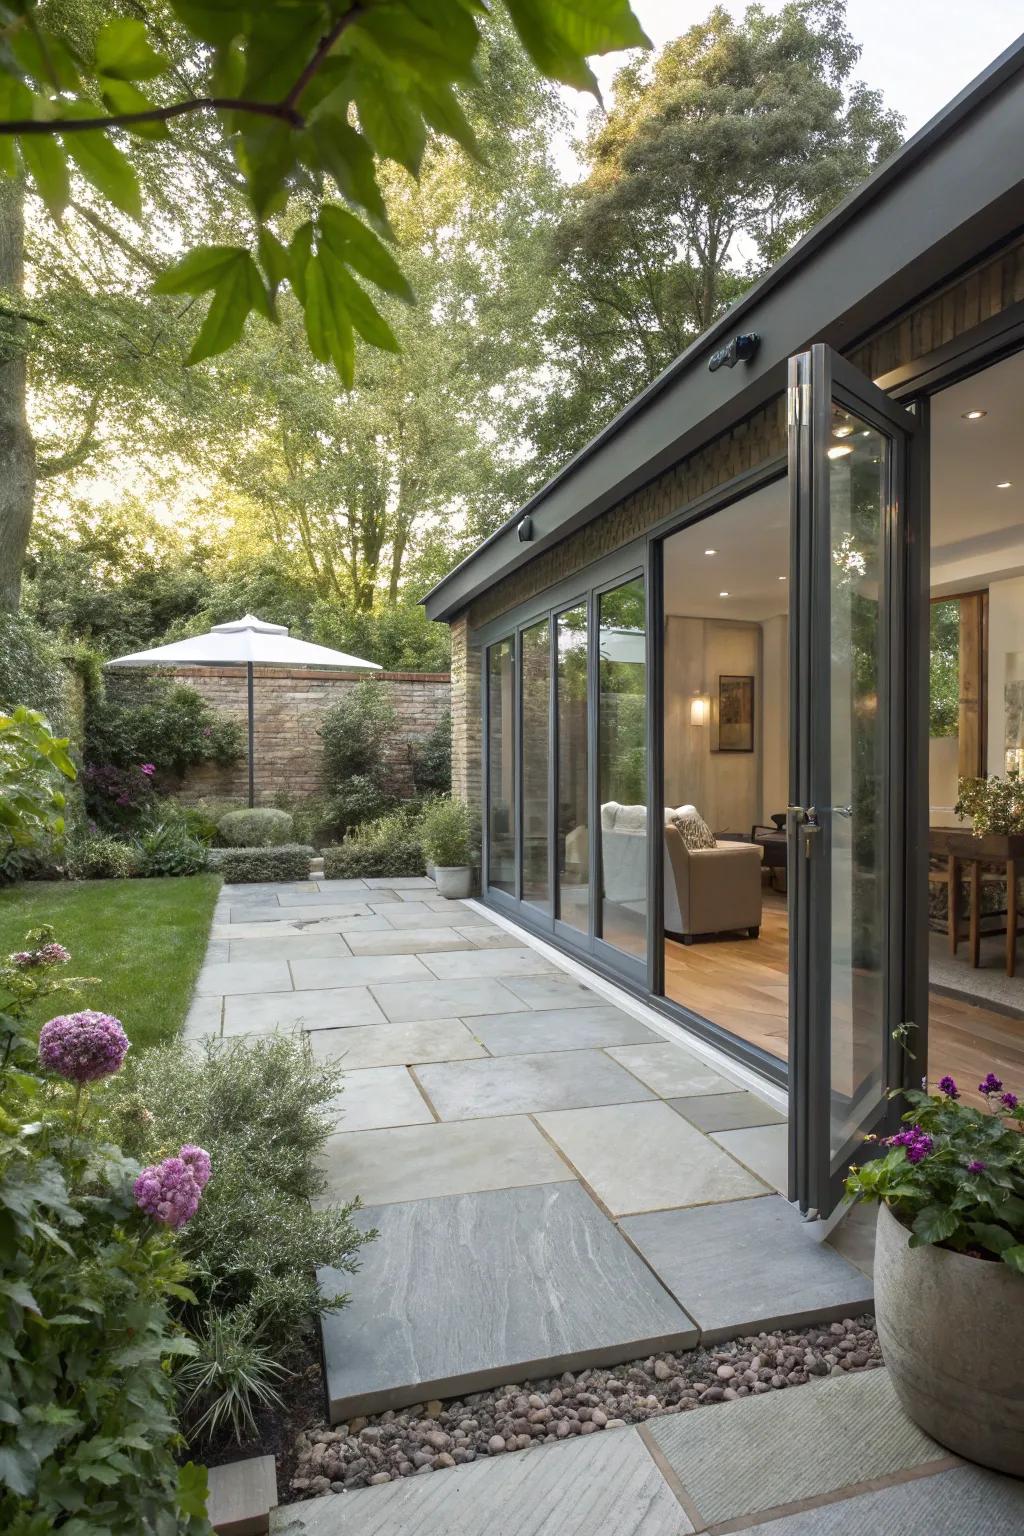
{"x":559,"y":1029}
{"x":488,"y":937}
{"x":218,"y":952}
{"x":315,"y":897}
{"x":460,"y":965}
{"x":408,"y":941}
{"x":761,"y":1452}
{"x":342,"y":887}
{"x":229,"y":980}
{"x":406,"y":1001}
{"x":452,"y":1157}
{"x":727,"y":1111}
{"x":336,"y":1009}
{"x":241,"y":1495}
{"x":764,"y":1149}
{"x":416,"y":914}
{"x":469,"y":1291}
{"x":385,"y":1045}
{"x":366,"y":923}
{"x":963,"y":1501}
{"x":642,"y":1157}
{"x":553,"y":992}
{"x":241,"y":890}
{"x":401,"y":883}
{"x":313,"y":910}
{"x":603,"y":1485}
{"x":747,"y":1266}
{"x":203,"y":1018}
{"x":379,"y":1096}
{"x":357,"y":971}
{"x":293,"y":946}
{"x":670,"y":1069}
{"x":522,"y":1085}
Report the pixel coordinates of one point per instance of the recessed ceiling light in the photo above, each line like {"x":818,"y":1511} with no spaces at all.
{"x":840,"y":451}
{"x":844,"y":430}
{"x":1003,"y":485}
{"x":782,"y":578}
{"x":973,"y":415}
{"x":723,"y":594}
{"x":711,"y":551}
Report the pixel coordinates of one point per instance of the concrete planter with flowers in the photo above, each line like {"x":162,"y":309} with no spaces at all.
{"x":949,"y":1269}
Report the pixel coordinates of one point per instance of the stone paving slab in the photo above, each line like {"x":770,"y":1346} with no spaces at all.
{"x":203,"y":1018}
{"x":556,"y":991}
{"x":963,"y":1501}
{"x":407,"y":1001}
{"x":560,"y":1029}
{"x":747,"y":1266}
{"x":294,"y":946}
{"x":460,"y":965}
{"x":380,"y":1096}
{"x":670,"y":1070}
{"x":542,"y":1279}
{"x":757,"y":1453}
{"x":240,"y":889}
{"x":336,"y":1010}
{"x":265,"y":913}
{"x":642,"y":1157}
{"x":344,"y":887}
{"x":317,"y":898}
{"x":456,"y":1157}
{"x":241,"y":1495}
{"x":488,"y":938}
{"x":356,"y":971}
{"x":516,"y":1085}
{"x":417,"y":915}
{"x":386,"y":1045}
{"x":400,"y":883}
{"x":292,"y":928}
{"x":727,"y":1111}
{"x":408,"y":941}
{"x":764,"y":1149}
{"x":228,"y":980}
{"x":603,"y":1485}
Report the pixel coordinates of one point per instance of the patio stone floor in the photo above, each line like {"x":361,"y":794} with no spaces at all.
{"x":558,"y":1176}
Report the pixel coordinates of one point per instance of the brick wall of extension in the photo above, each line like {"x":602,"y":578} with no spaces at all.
{"x":289,"y":703}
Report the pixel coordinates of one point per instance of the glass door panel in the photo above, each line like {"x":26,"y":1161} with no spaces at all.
{"x":622,"y":766}
{"x":572,"y":820}
{"x":501,"y":759}
{"x":535,"y":665}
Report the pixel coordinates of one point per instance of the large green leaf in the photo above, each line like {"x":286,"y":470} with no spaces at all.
{"x":933,"y":1224}
{"x":15,"y":103}
{"x":121,"y":97}
{"x":45,"y":57}
{"x":103,"y":164}
{"x":46,"y":162}
{"x":346,"y":156}
{"x":124,"y":52}
{"x":560,"y":35}
{"x":239,"y":289}
{"x":349,"y":239}
{"x":327,"y":324}
{"x":360,"y":308}
{"x":198,"y":271}
{"x":389,"y":119}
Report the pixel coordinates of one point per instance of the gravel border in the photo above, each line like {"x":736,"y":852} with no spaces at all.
{"x":434,"y":1435}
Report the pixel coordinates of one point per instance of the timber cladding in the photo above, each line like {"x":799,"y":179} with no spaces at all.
{"x":288,"y":706}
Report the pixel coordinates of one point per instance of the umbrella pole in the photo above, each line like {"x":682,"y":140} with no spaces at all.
{"x":251,"y":733}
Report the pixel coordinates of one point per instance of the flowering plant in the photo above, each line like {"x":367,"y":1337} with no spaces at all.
{"x":955,"y":1174}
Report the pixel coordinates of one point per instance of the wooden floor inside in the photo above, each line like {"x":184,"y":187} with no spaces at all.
{"x":742,"y":984}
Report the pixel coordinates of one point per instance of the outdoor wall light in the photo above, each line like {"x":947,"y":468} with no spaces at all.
{"x":524,"y":528}
{"x":973,"y":415}
{"x":711,"y":551}
{"x":700,"y":709}
{"x":723,"y":594}
{"x":1003,"y":485}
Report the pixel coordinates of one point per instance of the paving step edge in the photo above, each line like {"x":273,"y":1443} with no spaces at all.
{"x":241,"y":1496}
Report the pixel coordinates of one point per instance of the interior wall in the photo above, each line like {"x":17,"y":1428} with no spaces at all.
{"x":726,"y":787}
{"x":774,"y":738}
{"x":1005,"y":665}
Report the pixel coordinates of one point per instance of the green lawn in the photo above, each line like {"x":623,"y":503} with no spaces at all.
{"x":144,"y":939}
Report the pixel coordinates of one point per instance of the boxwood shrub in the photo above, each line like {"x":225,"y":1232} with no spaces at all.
{"x":356,"y":860}
{"x":262,"y":827}
{"x":288,"y":862}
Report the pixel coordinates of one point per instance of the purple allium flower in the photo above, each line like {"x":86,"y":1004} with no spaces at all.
{"x":23,"y":959}
{"x":148,"y":769}
{"x":992,"y":1084}
{"x":1009,"y":1101}
{"x":917,"y":1143}
{"x":53,"y":954}
{"x":83,"y":1046}
{"x":198,"y":1160}
{"x":977,"y":1166}
{"x":168,"y":1191}
{"x":947,"y":1085}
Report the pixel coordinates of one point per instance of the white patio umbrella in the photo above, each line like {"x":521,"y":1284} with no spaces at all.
{"x":248,"y":643}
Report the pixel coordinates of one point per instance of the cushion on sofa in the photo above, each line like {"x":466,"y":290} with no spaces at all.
{"x":693,"y":829}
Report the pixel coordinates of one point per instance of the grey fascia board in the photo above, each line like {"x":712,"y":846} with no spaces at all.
{"x":950,"y":192}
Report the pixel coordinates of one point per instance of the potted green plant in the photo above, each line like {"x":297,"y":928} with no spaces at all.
{"x":949,"y":1268}
{"x":446,"y":835}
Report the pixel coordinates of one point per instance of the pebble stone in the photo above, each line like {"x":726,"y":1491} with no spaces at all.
{"x":431,"y":1436}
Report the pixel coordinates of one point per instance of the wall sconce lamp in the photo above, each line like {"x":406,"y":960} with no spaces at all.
{"x":700,"y":709}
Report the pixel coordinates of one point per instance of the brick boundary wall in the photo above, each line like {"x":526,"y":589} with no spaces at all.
{"x":289,"y":703}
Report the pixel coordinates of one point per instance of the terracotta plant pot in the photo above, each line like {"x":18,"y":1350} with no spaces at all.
{"x":455,"y":881}
{"x":951,"y":1332}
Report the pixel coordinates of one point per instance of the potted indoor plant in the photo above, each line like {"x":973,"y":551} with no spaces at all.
{"x":446,"y":834}
{"x":949,"y":1268}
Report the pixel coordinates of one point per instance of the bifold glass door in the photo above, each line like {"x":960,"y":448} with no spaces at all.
{"x":850,"y":465}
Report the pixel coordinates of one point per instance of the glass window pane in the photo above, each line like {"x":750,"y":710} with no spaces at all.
{"x":858,"y":496}
{"x":622,"y":767}
{"x":501,"y":863}
{"x":536,"y":694}
{"x":573,"y":844}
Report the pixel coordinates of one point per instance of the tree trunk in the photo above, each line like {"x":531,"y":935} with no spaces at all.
{"x":17,"y":450}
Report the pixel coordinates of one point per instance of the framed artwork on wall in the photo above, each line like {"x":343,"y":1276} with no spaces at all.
{"x":734,"y":714}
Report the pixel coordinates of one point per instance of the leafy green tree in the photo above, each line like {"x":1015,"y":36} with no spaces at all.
{"x":715,"y":157}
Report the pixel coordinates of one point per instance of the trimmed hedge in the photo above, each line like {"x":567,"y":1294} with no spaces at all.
{"x":261,"y":827}
{"x":363,"y":860}
{"x":238,"y":865}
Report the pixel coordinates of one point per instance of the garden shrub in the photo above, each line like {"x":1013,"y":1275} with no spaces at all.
{"x":353,"y":860}
{"x":87,"y":1434}
{"x":103,"y":858}
{"x":262,"y":827}
{"x":447,"y":833}
{"x":169,"y":849}
{"x":362,"y":799}
{"x":195,"y":819}
{"x":240,"y":865}
{"x":312,"y":821}
{"x":32,"y":673}
{"x":432,"y":760}
{"x":34,"y":764}
{"x":263,"y":1110}
{"x":354,"y":735}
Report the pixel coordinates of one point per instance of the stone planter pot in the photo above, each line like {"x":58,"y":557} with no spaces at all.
{"x":431,"y":866}
{"x":454,"y":881}
{"x":951,"y":1334}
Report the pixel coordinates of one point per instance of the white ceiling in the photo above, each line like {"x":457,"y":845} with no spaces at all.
{"x":752,"y":542}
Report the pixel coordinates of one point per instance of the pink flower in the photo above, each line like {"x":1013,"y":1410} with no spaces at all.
{"x":199,"y":1161}
{"x":170,"y":1191}
{"x":148,"y":769}
{"x":83,"y":1046}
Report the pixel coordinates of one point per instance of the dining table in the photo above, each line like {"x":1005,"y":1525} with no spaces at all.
{"x":971,"y":850}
